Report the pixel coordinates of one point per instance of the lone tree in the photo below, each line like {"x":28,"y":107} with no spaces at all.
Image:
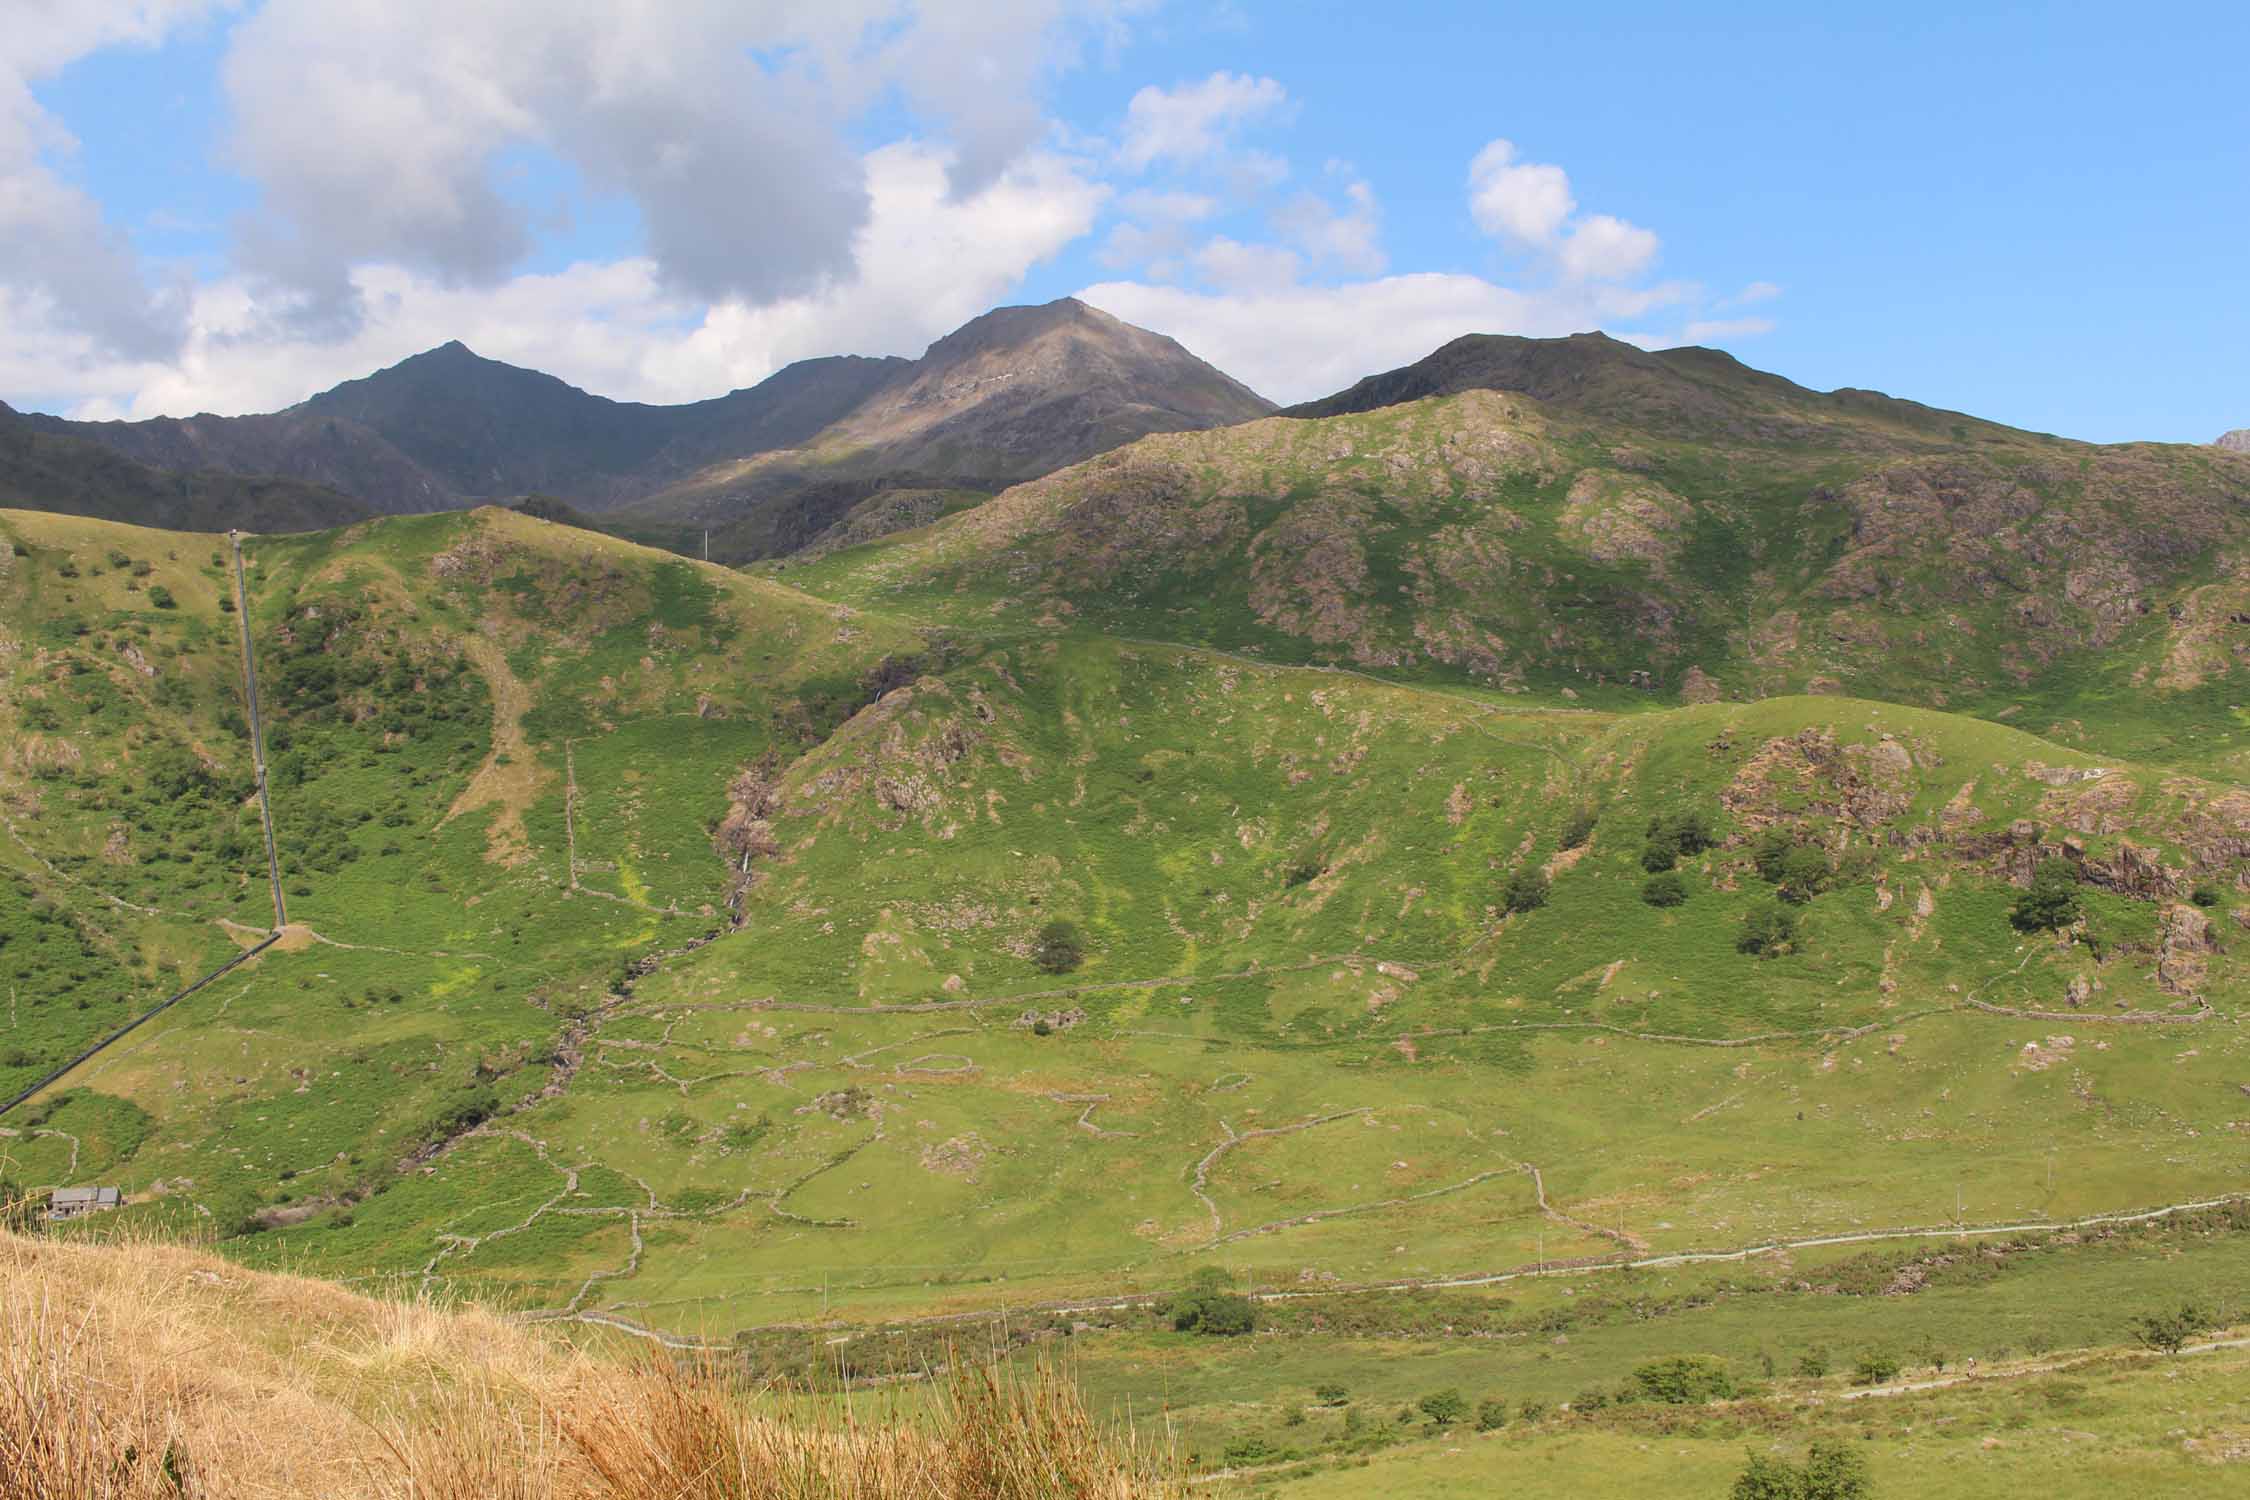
{"x":1667,"y":889}
{"x":1526,"y":890}
{"x":1803,"y":874}
{"x":1444,"y":1408}
{"x":1766,"y":931}
{"x":2052,"y":902}
{"x":1060,"y":949}
{"x":2169,"y":1332}
{"x":1208,"y":1306}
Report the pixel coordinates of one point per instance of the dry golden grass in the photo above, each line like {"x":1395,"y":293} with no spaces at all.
{"x":132,"y":1370}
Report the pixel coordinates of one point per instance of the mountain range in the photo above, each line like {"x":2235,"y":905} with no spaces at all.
{"x":1011,"y":395}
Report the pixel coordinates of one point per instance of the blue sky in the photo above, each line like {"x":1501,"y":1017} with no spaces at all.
{"x":2037,"y":213}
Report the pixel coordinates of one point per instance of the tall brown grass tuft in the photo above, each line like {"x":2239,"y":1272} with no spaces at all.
{"x":144,"y":1371}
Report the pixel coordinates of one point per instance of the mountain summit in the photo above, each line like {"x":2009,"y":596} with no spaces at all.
{"x":2237,"y":441}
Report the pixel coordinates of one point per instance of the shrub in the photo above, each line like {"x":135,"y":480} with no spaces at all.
{"x":1667,"y":889}
{"x":1532,"y":1411}
{"x":1579,"y":827}
{"x":1525,"y":890}
{"x":226,"y":604}
{"x":1206,"y":1306}
{"x":1875,"y":1369}
{"x":161,"y":597}
{"x":1444,"y":1408}
{"x":1804,"y":874}
{"x":1492,"y":1414}
{"x":1593,"y":1398}
{"x":1689,"y":832}
{"x":1766,"y":931}
{"x":1331,"y":1394}
{"x":1831,"y":1471}
{"x":1659,"y":854}
{"x":1060,"y":949}
{"x":2206,"y":896}
{"x":1769,"y":851}
{"x":2052,"y":902}
{"x":1683,"y":1380}
{"x":1813,"y":1363}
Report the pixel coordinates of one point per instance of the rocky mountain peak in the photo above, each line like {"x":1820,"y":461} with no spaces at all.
{"x":2237,"y":441}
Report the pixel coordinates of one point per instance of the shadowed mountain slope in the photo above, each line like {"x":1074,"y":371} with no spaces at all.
{"x":54,"y":471}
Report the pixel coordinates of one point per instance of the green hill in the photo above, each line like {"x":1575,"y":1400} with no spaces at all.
{"x":1645,"y":535}
{"x":924,"y":935}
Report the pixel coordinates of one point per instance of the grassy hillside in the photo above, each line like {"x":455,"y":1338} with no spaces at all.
{"x":109,"y":1391}
{"x":1611,"y":550}
{"x":677,"y":950}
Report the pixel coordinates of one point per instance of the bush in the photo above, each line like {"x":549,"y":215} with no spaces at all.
{"x":1875,"y":1369}
{"x":1444,"y":1408}
{"x":2206,"y":896}
{"x":1667,"y":889}
{"x":1659,"y":855}
{"x":1813,"y":1363}
{"x":1526,"y":890}
{"x":1331,"y":1394}
{"x":1579,"y":828}
{"x":226,"y":604}
{"x":2052,"y":902}
{"x":161,"y":597}
{"x":1689,"y":832}
{"x":1207,"y":1306}
{"x":1683,"y":1380}
{"x":1492,"y":1414}
{"x":1060,"y":949}
{"x":1769,"y":851}
{"x":1767,"y":931}
{"x":1804,"y":874}
{"x":1831,"y":1471}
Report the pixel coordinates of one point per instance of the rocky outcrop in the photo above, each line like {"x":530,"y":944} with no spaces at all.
{"x":2237,"y":441}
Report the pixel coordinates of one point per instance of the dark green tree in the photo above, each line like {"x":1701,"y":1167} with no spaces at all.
{"x":1444,"y":1408}
{"x":1766,"y":931}
{"x":1667,"y":889}
{"x":2052,"y":902}
{"x":1525,"y":890}
{"x":1060,"y":949}
{"x":1804,"y":874}
{"x":1492,"y":1414}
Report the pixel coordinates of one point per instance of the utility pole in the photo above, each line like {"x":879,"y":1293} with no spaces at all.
{"x":706,"y":544}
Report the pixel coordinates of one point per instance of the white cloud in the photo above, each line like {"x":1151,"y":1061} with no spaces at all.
{"x":925,"y":261}
{"x":1349,"y":238}
{"x":1529,"y":205}
{"x":376,"y":129}
{"x":1520,"y":201}
{"x":1194,"y":122}
{"x":1602,"y":248}
{"x":1755,"y":292}
{"x":1234,"y":266}
{"x":62,"y":253}
{"x":1293,"y":343}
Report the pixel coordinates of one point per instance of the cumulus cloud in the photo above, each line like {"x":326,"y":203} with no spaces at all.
{"x":1194,"y":122}
{"x":925,"y":261}
{"x":1517,"y":200}
{"x":65,"y":262}
{"x":377,"y":130}
{"x":1296,"y":342}
{"x":1602,"y":248}
{"x":1530,"y":206}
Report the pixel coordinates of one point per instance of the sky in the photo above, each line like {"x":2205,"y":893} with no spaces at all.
{"x":2038,"y":213}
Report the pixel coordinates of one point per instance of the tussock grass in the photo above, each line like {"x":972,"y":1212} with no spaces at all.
{"x":136,"y":1370}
